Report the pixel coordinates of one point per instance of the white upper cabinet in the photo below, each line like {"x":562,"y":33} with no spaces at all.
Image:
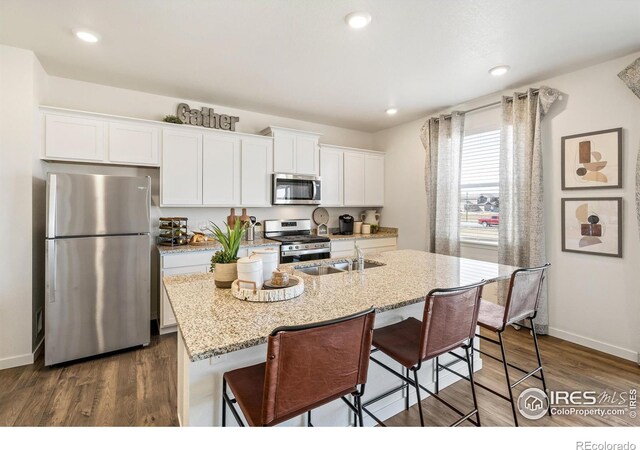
{"x":332,"y":173}
{"x":295,"y":152}
{"x":354,"y":179}
{"x":257,"y":167}
{"x":134,"y":144}
{"x":221,"y":170}
{"x":89,"y":137}
{"x":181,"y":173}
{"x":74,"y":138}
{"x":351,"y":177}
{"x":284,"y":153}
{"x":373,"y":180}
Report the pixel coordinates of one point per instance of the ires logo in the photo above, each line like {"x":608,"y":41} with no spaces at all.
{"x":587,"y":398}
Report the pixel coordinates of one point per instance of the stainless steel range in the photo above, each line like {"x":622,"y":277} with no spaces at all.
{"x":298,"y":244}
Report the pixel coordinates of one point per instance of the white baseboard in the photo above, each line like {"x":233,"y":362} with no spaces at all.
{"x":595,"y":344}
{"x":22,"y":360}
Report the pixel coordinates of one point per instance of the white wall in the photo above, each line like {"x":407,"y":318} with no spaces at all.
{"x":593,"y":300}
{"x":19,"y":81}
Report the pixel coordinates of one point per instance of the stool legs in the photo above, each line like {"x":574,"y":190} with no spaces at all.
{"x":506,"y":374}
{"x":535,"y":342}
{"x":224,"y":403}
{"x":415,"y":377}
{"x":469,"y":356}
{"x":437,"y":366}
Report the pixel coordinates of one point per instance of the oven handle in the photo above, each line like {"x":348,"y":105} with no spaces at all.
{"x":307,"y":252}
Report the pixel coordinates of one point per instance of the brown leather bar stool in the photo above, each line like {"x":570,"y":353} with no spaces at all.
{"x":307,"y":366}
{"x":522,"y":302}
{"x":449,"y":322}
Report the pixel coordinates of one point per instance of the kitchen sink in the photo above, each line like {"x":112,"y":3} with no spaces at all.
{"x":336,"y":267}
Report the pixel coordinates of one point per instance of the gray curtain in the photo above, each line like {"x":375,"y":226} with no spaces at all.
{"x":631,"y":77}
{"x":521,"y":236}
{"x":442,"y":140}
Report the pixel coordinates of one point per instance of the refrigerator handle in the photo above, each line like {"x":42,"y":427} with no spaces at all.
{"x":51,"y":205}
{"x":50,"y":277}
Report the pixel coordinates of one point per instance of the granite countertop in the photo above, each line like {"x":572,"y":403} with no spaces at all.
{"x":383,"y":232}
{"x":213,"y":322}
{"x":212,"y":245}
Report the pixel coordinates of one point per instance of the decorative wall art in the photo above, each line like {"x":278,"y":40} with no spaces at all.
{"x":592,"y":225}
{"x":592,"y":160}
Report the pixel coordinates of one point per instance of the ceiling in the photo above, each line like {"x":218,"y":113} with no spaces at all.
{"x":299,"y":59}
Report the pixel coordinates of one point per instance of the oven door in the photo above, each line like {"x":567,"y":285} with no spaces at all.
{"x":296,"y":189}
{"x":304,"y":255}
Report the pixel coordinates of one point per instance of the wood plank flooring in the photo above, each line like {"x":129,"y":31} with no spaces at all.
{"x":128,"y":388}
{"x":138,"y":388}
{"x":567,"y":366}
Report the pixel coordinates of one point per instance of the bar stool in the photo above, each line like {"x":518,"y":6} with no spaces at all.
{"x":522,"y":302}
{"x":307,"y":366}
{"x":449,"y":322}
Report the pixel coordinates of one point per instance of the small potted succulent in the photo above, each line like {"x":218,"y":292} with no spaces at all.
{"x":223,"y":262}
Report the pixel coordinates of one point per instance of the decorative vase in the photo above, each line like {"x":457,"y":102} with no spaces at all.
{"x":231,"y":218}
{"x":370,"y":216}
{"x":225,"y":274}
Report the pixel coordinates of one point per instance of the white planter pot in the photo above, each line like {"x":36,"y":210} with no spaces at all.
{"x":225,"y":274}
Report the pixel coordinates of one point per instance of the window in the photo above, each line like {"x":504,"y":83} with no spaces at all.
{"x":479,"y":195}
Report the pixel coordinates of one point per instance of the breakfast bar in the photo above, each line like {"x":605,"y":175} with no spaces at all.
{"x":218,"y":332}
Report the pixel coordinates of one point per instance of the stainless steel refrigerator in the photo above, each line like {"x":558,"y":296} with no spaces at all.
{"x":98,"y":256}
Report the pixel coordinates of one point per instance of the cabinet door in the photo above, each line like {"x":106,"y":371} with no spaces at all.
{"x":74,"y":138}
{"x":284,"y":152}
{"x":257,"y":166}
{"x":353,"y":179}
{"x":220,"y":170}
{"x":332,"y":173}
{"x":134,"y":144}
{"x":181,"y":171}
{"x":374,"y":180}
{"x":307,"y":155}
{"x":167,"y":319}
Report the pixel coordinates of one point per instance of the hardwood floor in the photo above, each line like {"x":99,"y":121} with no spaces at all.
{"x":567,"y":367}
{"x":138,"y":388}
{"x":129,"y":388}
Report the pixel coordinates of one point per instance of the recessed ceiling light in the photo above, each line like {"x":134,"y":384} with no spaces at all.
{"x":391,"y":111}
{"x":358,"y":19}
{"x":499,"y":70}
{"x":87,"y":36}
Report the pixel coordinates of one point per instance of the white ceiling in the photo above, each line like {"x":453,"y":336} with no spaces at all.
{"x":297,"y":58}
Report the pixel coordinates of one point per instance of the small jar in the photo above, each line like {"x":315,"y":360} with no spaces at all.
{"x":279,"y":278}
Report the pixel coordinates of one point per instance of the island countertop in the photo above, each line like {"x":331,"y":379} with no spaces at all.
{"x":213,"y":322}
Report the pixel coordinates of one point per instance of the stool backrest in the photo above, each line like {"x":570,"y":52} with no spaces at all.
{"x":525,"y":288}
{"x":312,"y":364}
{"x":450,"y":318}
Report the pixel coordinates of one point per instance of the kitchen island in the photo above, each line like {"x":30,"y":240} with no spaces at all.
{"x":218,"y":333}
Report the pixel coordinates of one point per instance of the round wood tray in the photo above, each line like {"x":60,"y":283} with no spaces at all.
{"x":268,"y":295}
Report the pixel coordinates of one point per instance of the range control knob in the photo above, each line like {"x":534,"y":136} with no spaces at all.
{"x":297,"y":247}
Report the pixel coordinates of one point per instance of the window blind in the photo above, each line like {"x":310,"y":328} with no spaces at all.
{"x":479,"y":193}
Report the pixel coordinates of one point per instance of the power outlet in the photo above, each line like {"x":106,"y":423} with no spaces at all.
{"x":39,"y":321}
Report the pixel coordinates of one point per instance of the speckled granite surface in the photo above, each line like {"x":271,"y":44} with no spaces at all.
{"x":213,"y":322}
{"x":213,"y":245}
{"x":384,"y":232}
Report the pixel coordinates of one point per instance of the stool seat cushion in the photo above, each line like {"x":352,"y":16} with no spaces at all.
{"x":247,"y":385}
{"x":491,"y":316}
{"x":400,"y":341}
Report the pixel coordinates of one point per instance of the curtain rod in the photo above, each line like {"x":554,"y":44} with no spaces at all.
{"x":489,"y":105}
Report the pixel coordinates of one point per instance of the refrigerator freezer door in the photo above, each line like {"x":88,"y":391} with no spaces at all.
{"x":96,"y":205}
{"x":97,"y":295}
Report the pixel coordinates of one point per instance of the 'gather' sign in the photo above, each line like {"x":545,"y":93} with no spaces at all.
{"x":206,"y":117}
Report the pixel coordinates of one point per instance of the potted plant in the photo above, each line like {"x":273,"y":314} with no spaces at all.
{"x":223,"y":262}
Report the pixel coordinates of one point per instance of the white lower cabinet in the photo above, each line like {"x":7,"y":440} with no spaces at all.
{"x":345,"y":248}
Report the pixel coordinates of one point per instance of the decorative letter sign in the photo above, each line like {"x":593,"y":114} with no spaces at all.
{"x":206,"y":117}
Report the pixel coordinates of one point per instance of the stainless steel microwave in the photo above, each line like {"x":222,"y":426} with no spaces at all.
{"x":296,"y":189}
